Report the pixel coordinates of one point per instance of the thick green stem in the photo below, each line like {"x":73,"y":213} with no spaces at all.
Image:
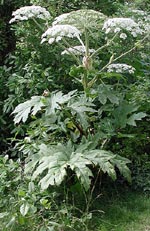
{"x":86,"y":43}
{"x":86,"y":61}
{"x":84,"y":81}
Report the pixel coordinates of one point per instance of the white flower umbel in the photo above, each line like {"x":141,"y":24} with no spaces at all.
{"x":142,"y":18}
{"x":120,"y":68}
{"x":61,"y":18}
{"x":81,"y":19}
{"x":120,"y":25}
{"x":77,"y":50}
{"x":57,"y":32}
{"x":27,"y":12}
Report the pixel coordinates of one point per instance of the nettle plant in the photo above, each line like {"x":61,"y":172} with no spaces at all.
{"x":70,"y":131}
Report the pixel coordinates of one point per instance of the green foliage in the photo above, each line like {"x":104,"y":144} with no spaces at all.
{"x":74,"y":121}
{"x":24,"y":109}
{"x":143,"y":5}
{"x":57,"y":159}
{"x":7,"y":39}
{"x":123,"y":210}
{"x":137,"y":150}
{"x":7,"y":45}
{"x":122,"y":118}
{"x":100,"y":111}
{"x":24,"y":207}
{"x":62,"y":6}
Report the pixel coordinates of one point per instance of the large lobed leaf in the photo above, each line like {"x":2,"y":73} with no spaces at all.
{"x":51,"y":163}
{"x":106,"y":92}
{"x":79,"y":107}
{"x":36,"y":103}
{"x":125,"y":114}
{"x":57,"y":99}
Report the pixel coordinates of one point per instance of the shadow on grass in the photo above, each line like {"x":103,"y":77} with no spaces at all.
{"x":126,"y":211}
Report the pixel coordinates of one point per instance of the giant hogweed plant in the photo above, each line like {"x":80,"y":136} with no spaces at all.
{"x":71,"y":130}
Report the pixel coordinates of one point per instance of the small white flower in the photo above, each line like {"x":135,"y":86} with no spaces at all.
{"x":123,"y":36}
{"x":57,"y":32}
{"x":27,"y":12}
{"x":131,"y":71}
{"x":117,"y":30}
{"x":143,"y":19}
{"x":120,"y":68}
{"x":50,"y":41}
{"x":77,"y":50}
{"x":108,"y":30}
{"x":134,"y":34}
{"x":27,"y":139}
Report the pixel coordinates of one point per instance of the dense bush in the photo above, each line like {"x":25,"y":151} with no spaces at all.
{"x":7,"y":45}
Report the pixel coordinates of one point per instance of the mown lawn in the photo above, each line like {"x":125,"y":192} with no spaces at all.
{"x":128,"y":211}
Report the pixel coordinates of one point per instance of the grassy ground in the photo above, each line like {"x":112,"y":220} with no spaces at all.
{"x":128,"y":211}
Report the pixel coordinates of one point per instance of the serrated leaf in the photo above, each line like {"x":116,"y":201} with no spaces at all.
{"x":106,"y":92}
{"x":45,"y":163}
{"x":32,"y":162}
{"x":136,"y":116}
{"x":122,"y":113}
{"x":121,"y":163}
{"x":107,"y":162}
{"x":57,"y":99}
{"x":80,"y":107}
{"x":85,"y":175}
{"x":55,"y":176}
{"x":103,"y":159}
{"x":23,"y":110}
{"x":53,"y":162}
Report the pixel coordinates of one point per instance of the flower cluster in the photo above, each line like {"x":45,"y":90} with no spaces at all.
{"x":146,"y":23}
{"x":121,"y":68}
{"x":61,"y":19}
{"x":143,"y":19}
{"x":27,"y":12}
{"x":81,"y":19}
{"x":57,"y":32}
{"x":77,"y":50}
{"x":120,"y":25}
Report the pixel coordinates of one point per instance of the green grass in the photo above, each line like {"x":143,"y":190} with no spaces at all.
{"x":128,"y":211}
